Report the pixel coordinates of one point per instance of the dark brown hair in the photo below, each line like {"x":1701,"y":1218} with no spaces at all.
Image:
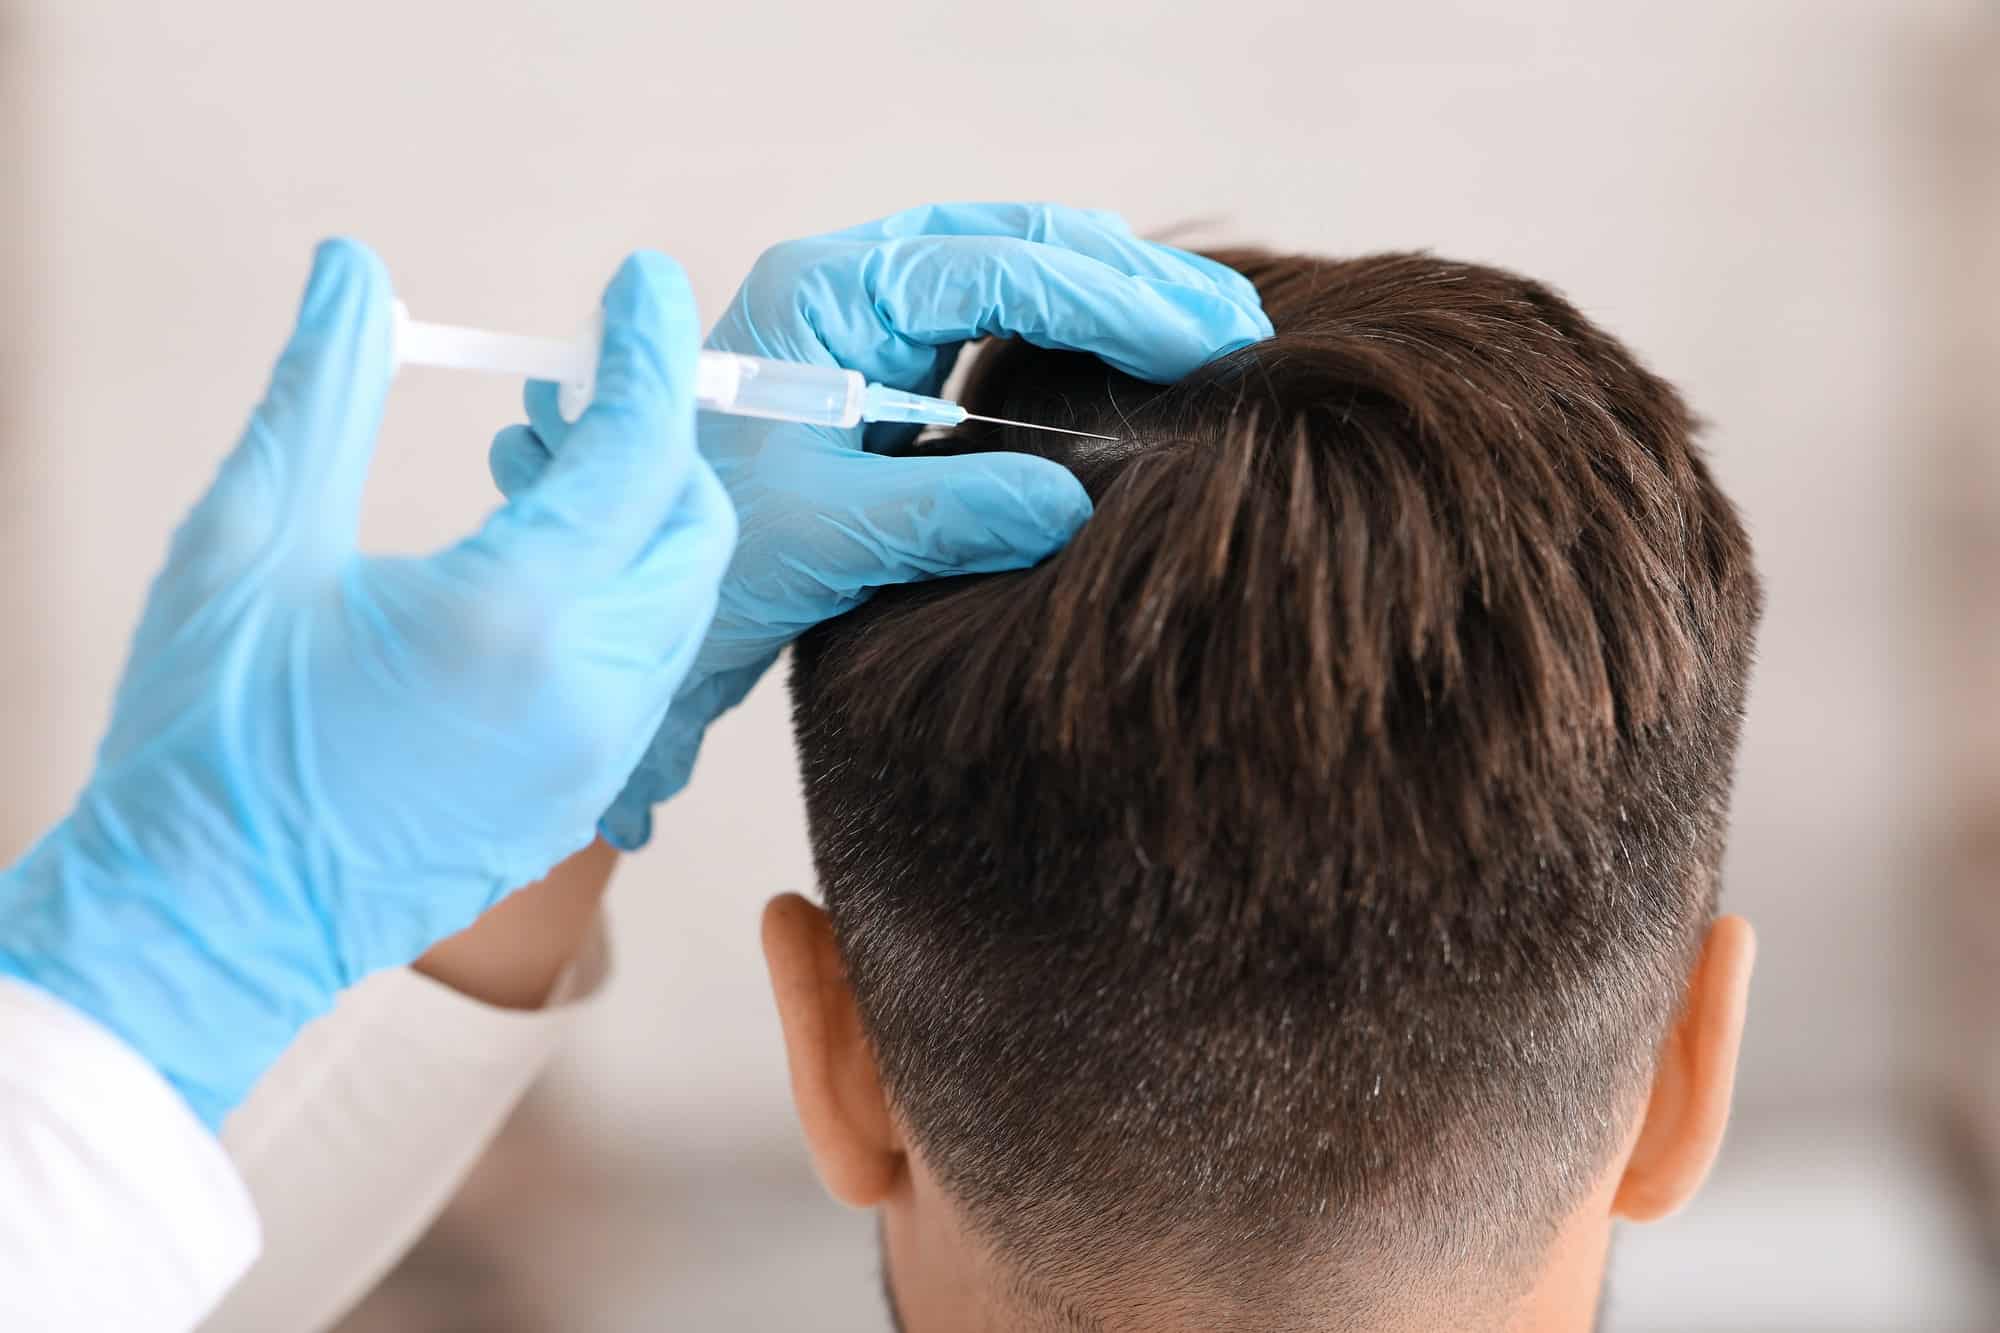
{"x":1308,"y":858}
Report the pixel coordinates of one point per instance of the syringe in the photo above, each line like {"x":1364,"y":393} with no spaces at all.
{"x":744,"y":386}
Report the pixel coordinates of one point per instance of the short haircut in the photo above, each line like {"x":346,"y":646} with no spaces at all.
{"x":1307,"y":860}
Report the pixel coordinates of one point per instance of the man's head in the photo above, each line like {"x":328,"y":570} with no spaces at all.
{"x":1286,"y":906}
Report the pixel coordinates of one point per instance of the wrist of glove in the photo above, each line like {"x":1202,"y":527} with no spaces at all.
{"x":190,"y":966}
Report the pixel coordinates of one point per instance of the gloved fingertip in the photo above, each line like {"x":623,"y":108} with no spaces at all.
{"x":1245,"y":293}
{"x":346,"y":278}
{"x":1227,"y":321}
{"x":314,"y":430}
{"x":646,"y":280}
{"x":1212,"y":325}
{"x":1019,"y":508}
{"x":652,"y":334}
{"x":543,"y":401}
{"x":1237,"y":345}
{"x":517,"y":459}
{"x":626,"y":831}
{"x":1053,"y":495}
{"x":1231,"y":282}
{"x":1253,"y":299}
{"x":650,"y":296}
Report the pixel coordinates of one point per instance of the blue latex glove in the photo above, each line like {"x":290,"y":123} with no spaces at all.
{"x":824,"y":522}
{"x":319,"y":763}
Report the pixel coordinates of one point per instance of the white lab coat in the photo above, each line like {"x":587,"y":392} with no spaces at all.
{"x":119,"y":1210}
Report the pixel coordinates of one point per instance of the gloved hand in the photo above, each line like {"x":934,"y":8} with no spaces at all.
{"x":319,"y":763}
{"x":824,"y":521}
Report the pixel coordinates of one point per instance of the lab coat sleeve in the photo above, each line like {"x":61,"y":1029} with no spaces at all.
{"x":362,"y":1132}
{"x":118,"y":1209}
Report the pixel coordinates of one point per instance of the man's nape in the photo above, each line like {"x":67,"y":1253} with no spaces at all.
{"x":1292,"y":904}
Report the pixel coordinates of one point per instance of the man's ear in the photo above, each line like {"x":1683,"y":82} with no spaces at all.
{"x":848,"y":1126}
{"x":1692,"y":1085}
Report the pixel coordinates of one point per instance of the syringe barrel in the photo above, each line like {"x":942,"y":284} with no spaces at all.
{"x":744,"y":386}
{"x":751,"y":386}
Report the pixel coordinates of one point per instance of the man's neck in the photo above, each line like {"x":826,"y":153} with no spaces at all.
{"x":1568,"y":1289}
{"x":938,"y":1278}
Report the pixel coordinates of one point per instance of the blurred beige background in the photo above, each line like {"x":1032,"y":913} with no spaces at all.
{"x":1791,"y":208}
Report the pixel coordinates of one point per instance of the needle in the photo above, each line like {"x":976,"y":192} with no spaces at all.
{"x":1030,"y":425}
